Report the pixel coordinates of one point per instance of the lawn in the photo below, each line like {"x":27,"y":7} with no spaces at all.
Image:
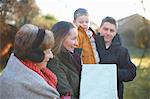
{"x":139,"y":88}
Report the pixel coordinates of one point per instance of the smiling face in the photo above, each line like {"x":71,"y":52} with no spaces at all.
{"x":70,"y":42}
{"x":82,"y":21}
{"x":108,"y":30}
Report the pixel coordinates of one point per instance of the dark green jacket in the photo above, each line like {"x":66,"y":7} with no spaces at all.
{"x":67,"y":67}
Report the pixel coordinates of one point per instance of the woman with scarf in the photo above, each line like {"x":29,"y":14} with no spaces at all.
{"x":26,"y":75}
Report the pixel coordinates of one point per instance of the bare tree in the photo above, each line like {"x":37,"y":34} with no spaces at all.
{"x":13,"y":14}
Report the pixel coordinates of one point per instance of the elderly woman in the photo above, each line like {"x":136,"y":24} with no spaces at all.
{"x":26,"y":75}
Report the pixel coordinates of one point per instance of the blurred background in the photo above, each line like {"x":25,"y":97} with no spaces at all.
{"x":133,"y":18}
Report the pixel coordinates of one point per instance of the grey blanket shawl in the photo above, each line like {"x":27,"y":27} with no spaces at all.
{"x":19,"y":82}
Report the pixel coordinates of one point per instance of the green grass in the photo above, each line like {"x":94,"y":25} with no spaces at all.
{"x":139,"y":88}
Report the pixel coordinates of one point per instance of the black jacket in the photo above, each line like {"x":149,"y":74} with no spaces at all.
{"x":67,"y":67}
{"x":117,"y":54}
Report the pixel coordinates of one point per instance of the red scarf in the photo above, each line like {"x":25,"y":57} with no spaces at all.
{"x":45,"y":73}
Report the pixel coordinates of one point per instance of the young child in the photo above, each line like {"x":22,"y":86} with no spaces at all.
{"x":86,"y":37}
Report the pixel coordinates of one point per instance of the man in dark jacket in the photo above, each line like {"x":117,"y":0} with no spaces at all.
{"x":112,"y":52}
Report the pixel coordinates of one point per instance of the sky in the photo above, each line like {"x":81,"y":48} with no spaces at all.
{"x":98,"y":9}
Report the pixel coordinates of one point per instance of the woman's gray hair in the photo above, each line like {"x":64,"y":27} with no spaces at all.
{"x":80,"y":12}
{"x":25,"y":37}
